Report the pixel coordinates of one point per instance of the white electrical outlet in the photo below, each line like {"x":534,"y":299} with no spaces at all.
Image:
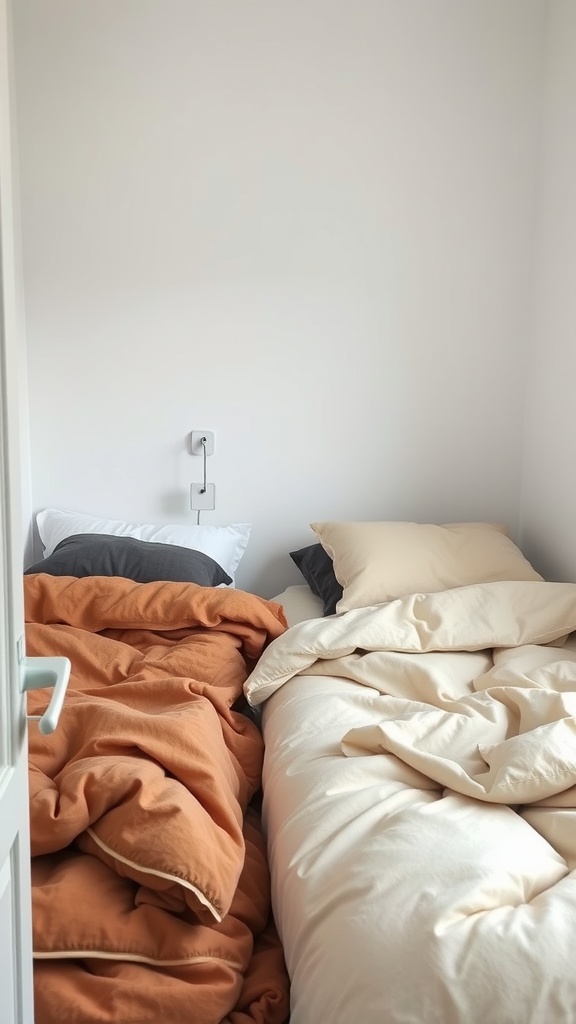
{"x":196,"y":446}
{"x":202,"y":501}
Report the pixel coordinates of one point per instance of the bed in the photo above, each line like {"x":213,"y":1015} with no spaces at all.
{"x":151,"y":889}
{"x":420,"y":779}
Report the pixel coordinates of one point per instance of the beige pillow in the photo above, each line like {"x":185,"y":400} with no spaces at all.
{"x":378,"y":562}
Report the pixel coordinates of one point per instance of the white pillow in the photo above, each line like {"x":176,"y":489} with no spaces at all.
{"x":381,"y":561}
{"x":225,"y":544}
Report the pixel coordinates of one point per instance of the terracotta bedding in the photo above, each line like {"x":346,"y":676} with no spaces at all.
{"x":150,"y":881}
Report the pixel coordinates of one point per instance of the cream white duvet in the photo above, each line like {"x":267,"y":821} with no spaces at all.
{"x":420,"y":805}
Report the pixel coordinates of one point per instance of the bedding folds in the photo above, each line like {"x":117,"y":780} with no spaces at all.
{"x":150,"y":879}
{"x":420,"y":807}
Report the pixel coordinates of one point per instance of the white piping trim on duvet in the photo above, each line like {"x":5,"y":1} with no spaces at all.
{"x":98,"y":954}
{"x":159,"y":874}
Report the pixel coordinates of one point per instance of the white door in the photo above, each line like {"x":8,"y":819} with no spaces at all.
{"x":15,"y":917}
{"x":16,"y":671}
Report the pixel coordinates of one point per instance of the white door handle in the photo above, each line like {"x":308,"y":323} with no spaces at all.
{"x":38,"y":673}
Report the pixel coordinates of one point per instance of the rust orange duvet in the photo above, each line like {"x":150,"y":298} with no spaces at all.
{"x":151,"y":892}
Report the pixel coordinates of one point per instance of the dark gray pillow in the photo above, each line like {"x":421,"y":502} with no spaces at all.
{"x":317,"y":569}
{"x":99,"y":554}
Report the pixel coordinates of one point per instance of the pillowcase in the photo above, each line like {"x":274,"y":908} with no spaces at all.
{"x":98,"y":554}
{"x":225,"y":544}
{"x":381,"y":561}
{"x":317,"y":569}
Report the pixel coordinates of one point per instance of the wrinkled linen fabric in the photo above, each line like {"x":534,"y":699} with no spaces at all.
{"x":420,"y":807}
{"x":149,"y":871}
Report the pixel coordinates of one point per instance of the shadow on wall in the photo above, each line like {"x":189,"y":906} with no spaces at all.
{"x":265,"y":581}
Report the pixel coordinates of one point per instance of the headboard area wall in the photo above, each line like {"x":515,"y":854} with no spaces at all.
{"x":306,"y":227}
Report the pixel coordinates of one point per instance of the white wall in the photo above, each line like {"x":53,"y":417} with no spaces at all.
{"x":549,"y":492}
{"x":305,"y":226}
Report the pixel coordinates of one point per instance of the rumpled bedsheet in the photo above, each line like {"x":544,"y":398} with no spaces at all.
{"x":420,"y":803}
{"x":149,"y":872}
